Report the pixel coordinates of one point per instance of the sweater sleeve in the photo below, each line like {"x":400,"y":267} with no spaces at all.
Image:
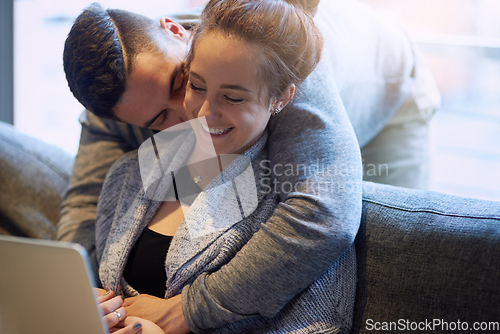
{"x":102,"y":142}
{"x":315,"y":167}
{"x":117,"y":187}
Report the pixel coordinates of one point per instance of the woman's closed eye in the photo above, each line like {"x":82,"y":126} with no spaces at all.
{"x":196,"y":88}
{"x":234,"y":101}
{"x":227,"y":98}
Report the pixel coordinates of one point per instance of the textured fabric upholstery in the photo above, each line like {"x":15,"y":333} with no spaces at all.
{"x":425,"y":255}
{"x":33,"y":177}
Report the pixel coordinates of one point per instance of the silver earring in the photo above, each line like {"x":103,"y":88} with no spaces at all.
{"x":276,"y":111}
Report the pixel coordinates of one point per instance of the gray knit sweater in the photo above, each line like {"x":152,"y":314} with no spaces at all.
{"x":209,"y":237}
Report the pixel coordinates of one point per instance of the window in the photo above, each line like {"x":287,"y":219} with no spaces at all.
{"x":460,"y":40}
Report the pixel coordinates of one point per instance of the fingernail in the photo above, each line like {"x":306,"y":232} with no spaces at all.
{"x":137,"y":325}
{"x":107,"y":292}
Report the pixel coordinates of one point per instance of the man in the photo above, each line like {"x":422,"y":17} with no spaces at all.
{"x":366,"y":62}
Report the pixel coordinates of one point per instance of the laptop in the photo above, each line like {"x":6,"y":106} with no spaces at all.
{"x":46,"y":287}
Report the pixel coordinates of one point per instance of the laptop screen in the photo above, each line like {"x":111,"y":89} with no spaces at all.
{"x":46,"y":287}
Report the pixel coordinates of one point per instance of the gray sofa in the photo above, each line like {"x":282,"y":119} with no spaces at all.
{"x":427,"y":261}
{"x":421,"y":255}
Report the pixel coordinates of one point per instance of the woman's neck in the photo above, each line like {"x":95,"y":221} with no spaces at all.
{"x":204,"y":167}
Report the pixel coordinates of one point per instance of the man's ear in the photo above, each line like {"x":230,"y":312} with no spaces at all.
{"x":283,"y":100}
{"x":173,"y":28}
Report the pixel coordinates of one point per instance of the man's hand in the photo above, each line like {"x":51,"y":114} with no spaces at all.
{"x":166,"y":313}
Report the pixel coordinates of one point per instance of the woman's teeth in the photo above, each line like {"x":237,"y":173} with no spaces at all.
{"x":214,"y":131}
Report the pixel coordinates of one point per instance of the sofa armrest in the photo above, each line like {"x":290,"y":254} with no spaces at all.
{"x":425,"y":255}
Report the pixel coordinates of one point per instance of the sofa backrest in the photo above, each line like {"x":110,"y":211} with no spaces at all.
{"x":426,"y":259}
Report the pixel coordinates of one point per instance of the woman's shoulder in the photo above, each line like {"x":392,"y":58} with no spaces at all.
{"x":122,"y":169}
{"x":128,"y":161}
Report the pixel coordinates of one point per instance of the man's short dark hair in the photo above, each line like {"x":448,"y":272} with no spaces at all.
{"x":99,"y":53}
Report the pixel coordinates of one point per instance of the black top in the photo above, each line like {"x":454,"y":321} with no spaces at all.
{"x":145,"y":269}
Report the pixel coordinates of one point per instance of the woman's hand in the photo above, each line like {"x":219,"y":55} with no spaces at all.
{"x":134,"y":325}
{"x":166,"y":313}
{"x":122,"y":324}
{"x":111,"y":306}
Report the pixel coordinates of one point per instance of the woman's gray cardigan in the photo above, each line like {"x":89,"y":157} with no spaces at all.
{"x":210,"y":236}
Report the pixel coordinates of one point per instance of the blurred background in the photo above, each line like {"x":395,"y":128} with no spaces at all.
{"x":460,"y":40}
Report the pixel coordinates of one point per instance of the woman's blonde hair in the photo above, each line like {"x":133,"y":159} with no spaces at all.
{"x":283,"y":31}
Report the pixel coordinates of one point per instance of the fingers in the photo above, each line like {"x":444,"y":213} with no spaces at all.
{"x":130,"y":329}
{"x":111,"y":304}
{"x":99,"y":292}
{"x":104,"y":295}
{"x":115,"y":317}
{"x":113,"y":311}
{"x":132,"y":325}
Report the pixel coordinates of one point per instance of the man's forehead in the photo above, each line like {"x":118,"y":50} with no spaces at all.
{"x":152,"y":60}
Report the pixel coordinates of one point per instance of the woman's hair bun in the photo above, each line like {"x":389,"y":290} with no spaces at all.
{"x":310,"y":6}
{"x":282,"y":31}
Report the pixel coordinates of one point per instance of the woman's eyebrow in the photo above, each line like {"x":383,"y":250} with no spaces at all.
{"x":227,"y":86}
{"x":197,"y":76}
{"x":236,"y":87}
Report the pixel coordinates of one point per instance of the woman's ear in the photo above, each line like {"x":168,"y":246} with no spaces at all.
{"x":173,"y":28}
{"x":283,"y":100}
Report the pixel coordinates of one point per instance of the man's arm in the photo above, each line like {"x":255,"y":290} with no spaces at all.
{"x":102,"y":142}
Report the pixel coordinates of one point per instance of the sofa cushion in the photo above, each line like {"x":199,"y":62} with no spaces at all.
{"x":426,"y":259}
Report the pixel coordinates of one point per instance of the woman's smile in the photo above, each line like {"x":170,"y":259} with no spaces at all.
{"x":215,"y":131}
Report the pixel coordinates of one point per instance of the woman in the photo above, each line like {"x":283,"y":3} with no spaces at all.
{"x":245,"y":62}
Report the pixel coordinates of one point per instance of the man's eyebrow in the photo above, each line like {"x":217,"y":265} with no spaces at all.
{"x":173,"y":76}
{"x":227,"y":86}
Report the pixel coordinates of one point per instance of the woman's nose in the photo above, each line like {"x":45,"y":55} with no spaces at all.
{"x":209,"y":111}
